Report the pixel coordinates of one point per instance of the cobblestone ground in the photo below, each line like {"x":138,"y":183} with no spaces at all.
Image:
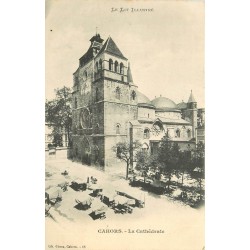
{"x":183,"y":226}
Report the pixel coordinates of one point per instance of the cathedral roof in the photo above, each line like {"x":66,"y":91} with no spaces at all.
{"x":110,"y":47}
{"x":143,"y":100}
{"x":191,"y":98}
{"x":164,"y":103}
{"x":87,"y":56}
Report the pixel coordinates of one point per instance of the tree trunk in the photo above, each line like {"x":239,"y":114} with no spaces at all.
{"x":68,"y":136}
{"x":169,"y":179}
{"x":127,"y":170}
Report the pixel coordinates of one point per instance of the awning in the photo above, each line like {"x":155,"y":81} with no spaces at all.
{"x":54,"y":192}
{"x":100,"y":210}
{"x":109,"y":194}
{"x":121,"y":199}
{"x":88,"y":201}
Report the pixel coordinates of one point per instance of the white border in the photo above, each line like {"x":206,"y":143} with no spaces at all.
{"x":227,"y":136}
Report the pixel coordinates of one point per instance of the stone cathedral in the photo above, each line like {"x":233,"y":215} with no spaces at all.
{"x":108,"y":108}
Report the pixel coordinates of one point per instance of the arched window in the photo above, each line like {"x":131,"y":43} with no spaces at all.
{"x":178,"y":133}
{"x":97,"y":129}
{"x":116,"y":66}
{"x":157,"y":128}
{"x":75,"y":102}
{"x":133,"y":95}
{"x":148,"y":115}
{"x":145,"y":147}
{"x":146,"y":133}
{"x":97,"y":95}
{"x":118,"y":93}
{"x":111,"y":64}
{"x":118,"y":126}
{"x":100,"y":64}
{"x":118,"y":152}
{"x":96,"y":66}
{"x":189,"y":133}
{"x":121,"y":68}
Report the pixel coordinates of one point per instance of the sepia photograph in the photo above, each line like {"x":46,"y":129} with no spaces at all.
{"x":124,"y":125}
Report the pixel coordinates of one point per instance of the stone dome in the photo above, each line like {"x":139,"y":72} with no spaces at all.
{"x":182,"y":105}
{"x":143,"y":100}
{"x":164,"y":103}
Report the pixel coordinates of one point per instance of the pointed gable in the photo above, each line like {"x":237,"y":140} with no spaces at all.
{"x":191,"y":98}
{"x":110,"y":47}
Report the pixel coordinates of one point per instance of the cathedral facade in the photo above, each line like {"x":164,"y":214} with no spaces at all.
{"x":108,"y":108}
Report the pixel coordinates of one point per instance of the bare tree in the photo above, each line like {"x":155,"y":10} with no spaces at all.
{"x":125,"y":151}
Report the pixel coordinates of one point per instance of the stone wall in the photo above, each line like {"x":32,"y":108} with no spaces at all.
{"x":144,"y":112}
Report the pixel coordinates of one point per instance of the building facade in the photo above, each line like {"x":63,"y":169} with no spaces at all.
{"x":108,"y":108}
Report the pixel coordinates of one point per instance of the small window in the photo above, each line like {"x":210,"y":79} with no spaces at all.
{"x":116,"y":66}
{"x":118,"y":126}
{"x":121,"y":68}
{"x":97,"y":129}
{"x":146,"y":133}
{"x":118,"y":152}
{"x":178,"y":133}
{"x":86,"y":74}
{"x":118,"y":93}
{"x":133,"y":95}
{"x":189,"y":133}
{"x":148,"y":115}
{"x":110,"y":64}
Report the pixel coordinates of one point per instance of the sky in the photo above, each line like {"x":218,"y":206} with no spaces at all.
{"x":165,"y":47}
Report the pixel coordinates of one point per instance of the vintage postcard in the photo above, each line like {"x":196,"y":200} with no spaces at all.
{"x":125,"y":125}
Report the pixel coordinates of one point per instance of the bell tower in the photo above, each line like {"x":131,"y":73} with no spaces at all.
{"x":104,"y":101}
{"x":115,"y":95}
